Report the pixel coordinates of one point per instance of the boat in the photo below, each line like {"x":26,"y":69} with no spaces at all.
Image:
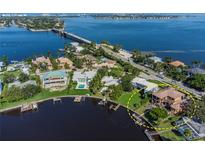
{"x":29,"y":107}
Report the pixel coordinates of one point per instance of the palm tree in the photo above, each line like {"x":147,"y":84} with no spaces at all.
{"x":167,"y":59}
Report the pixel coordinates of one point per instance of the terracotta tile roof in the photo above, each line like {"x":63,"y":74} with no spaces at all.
{"x":168,"y":92}
{"x":177,"y":63}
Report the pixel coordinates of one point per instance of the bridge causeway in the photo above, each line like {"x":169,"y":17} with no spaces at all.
{"x":71,"y":36}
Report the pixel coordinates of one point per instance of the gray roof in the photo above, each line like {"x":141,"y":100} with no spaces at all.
{"x":198,"y":127}
{"x":196,"y":71}
{"x":21,"y":85}
{"x":1,"y":64}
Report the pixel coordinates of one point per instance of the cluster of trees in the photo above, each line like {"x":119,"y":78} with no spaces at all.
{"x":96,"y":84}
{"x":156,"y":113}
{"x":14,"y":93}
{"x":8,"y":77}
{"x":78,"y":63}
{"x":23,"y":77}
{"x":40,"y":22}
{"x":196,"y":81}
{"x":196,"y":109}
{"x":126,"y":82}
{"x":4,"y":59}
{"x":116,"y":92}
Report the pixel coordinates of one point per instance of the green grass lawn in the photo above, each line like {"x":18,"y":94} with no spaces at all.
{"x":44,"y":94}
{"x":170,"y":135}
{"x":123,"y":99}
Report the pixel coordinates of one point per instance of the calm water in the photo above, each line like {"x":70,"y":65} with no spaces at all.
{"x":181,"y":38}
{"x":18,"y":43}
{"x":70,"y":121}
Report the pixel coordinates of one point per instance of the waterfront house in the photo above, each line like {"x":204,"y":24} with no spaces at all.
{"x":11,"y":68}
{"x":77,"y":46}
{"x":170,"y":98}
{"x":144,"y":84}
{"x":1,"y":65}
{"x":64,"y":61}
{"x":1,"y":87}
{"x":156,"y":59}
{"x":54,"y":80}
{"x":106,"y":63}
{"x":83,"y":78}
{"x":196,"y":70}
{"x":25,"y":69}
{"x":109,"y":81}
{"x":21,"y":85}
{"x":43,"y":60}
{"x":177,"y":63}
{"x":197,"y":129}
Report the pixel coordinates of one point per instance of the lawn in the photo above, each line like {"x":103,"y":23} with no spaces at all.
{"x":44,"y":94}
{"x":170,"y":135}
{"x":123,"y":99}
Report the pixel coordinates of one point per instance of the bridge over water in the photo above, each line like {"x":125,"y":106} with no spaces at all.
{"x":71,"y":36}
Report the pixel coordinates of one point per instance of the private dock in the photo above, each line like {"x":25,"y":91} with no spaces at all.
{"x":114,"y":107}
{"x":57,"y":100}
{"x":102,"y":102}
{"x":29,"y":107}
{"x":78,"y":99}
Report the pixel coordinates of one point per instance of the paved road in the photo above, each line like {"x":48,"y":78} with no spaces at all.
{"x":152,"y":74}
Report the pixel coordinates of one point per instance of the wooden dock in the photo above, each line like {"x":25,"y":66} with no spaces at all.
{"x":114,"y":107}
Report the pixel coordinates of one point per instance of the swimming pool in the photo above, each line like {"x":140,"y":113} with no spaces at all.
{"x":81,"y":86}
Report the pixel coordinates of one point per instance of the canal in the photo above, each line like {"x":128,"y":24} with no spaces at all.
{"x":69,"y":121}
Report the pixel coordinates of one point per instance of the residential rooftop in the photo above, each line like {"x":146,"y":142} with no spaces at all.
{"x":54,"y":74}
{"x":168,"y":92}
{"x":177,"y":63}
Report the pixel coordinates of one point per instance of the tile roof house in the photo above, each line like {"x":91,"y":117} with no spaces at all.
{"x":169,"y":97}
{"x":40,"y":60}
{"x":54,"y":80}
{"x":63,"y":61}
{"x":177,"y":63}
{"x":107,"y":63}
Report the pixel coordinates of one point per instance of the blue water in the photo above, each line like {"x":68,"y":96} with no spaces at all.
{"x":18,"y":43}
{"x":182,"y":38}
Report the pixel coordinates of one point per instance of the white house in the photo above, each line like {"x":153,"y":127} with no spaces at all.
{"x":77,"y":47}
{"x":83,"y":78}
{"x":1,"y":87}
{"x":1,"y":65}
{"x":54,"y":80}
{"x":109,"y":81}
{"x":21,"y":85}
{"x":11,"y":68}
{"x":143,"y":83}
{"x":156,"y":59}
